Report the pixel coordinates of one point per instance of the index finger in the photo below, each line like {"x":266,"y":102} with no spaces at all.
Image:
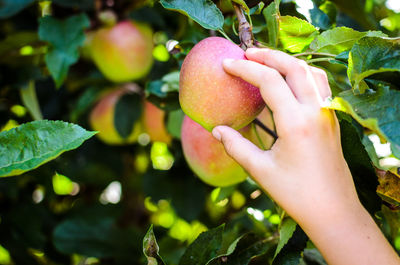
{"x":273,"y":88}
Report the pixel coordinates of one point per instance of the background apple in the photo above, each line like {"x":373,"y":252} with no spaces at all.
{"x":154,"y":123}
{"x":102,"y":118}
{"x":207,"y":157}
{"x":123,"y":52}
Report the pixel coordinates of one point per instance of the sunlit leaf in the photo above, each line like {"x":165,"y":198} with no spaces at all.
{"x":338,"y":40}
{"x":295,"y":34}
{"x":33,"y":144}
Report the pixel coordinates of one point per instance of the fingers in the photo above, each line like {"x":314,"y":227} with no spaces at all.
{"x":273,"y":88}
{"x":248,"y":155}
{"x":297,"y":72}
{"x":322,"y":82}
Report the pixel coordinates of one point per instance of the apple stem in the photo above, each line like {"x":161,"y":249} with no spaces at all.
{"x":265,"y":128}
{"x":245,"y":30}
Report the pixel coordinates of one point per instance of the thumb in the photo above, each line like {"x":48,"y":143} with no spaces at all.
{"x":239,"y":148}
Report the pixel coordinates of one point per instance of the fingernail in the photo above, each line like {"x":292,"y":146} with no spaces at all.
{"x":216,"y":134}
{"x":251,"y":50}
{"x":228,"y":62}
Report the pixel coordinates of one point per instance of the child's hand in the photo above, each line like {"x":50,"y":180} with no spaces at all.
{"x":305,"y":171}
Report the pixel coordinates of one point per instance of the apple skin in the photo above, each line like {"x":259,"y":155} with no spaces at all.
{"x":123,"y":52}
{"x":154,"y":123}
{"x":102,"y":119}
{"x":207,"y":158}
{"x":210,"y":96}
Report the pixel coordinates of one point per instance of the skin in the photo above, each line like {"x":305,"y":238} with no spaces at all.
{"x":154,"y":123}
{"x":210,"y":96}
{"x":207,"y":157}
{"x":306,"y":160}
{"x":123,"y":52}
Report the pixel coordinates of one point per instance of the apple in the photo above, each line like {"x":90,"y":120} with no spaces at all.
{"x":210,"y":96}
{"x":207,"y":158}
{"x":154,"y":123}
{"x":102,"y":118}
{"x":123,"y":52}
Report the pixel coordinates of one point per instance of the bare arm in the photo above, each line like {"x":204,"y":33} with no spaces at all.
{"x":305,"y":171}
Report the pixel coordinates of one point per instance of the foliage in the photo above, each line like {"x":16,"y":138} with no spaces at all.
{"x":141,"y":203}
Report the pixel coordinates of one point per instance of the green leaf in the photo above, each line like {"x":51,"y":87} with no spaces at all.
{"x":359,"y":164}
{"x":9,"y":8}
{"x":65,"y":37}
{"x":243,"y":4}
{"x":128,"y":111}
{"x":76,"y":4}
{"x":32,"y":144}
{"x":174,"y":122}
{"x":164,"y":93}
{"x":295,"y":34}
{"x":151,"y":249}
{"x":369,"y":147}
{"x":372,"y":55}
{"x":340,"y":39}
{"x":243,"y":250}
{"x":29,"y":98}
{"x":271,"y":15}
{"x":62,"y":185}
{"x":91,"y":238}
{"x":204,"y":12}
{"x":319,"y":18}
{"x":377,"y":110}
{"x":204,"y":248}
{"x":291,"y":252}
{"x":285,"y":233}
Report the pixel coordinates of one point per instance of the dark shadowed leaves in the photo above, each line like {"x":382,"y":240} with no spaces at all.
{"x":128,"y":111}
{"x":204,"y":12}
{"x":360,"y":165}
{"x":373,"y":55}
{"x":291,"y":252}
{"x":377,"y":110}
{"x":243,"y":250}
{"x":65,"y":37}
{"x":204,"y":248}
{"x":8,"y":8}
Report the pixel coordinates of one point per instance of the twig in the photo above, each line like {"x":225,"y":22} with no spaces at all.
{"x":315,"y":53}
{"x":323,"y":60}
{"x":245,"y":31}
{"x":265,"y":128}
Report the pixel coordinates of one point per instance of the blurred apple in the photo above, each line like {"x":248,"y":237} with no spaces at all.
{"x":123,"y":52}
{"x":102,"y":118}
{"x":207,"y":157}
{"x":154,"y":123}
